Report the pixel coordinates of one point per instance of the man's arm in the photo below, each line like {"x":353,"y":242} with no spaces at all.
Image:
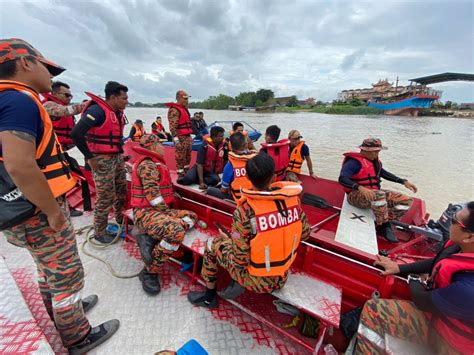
{"x":391,"y":177}
{"x":227,"y":177}
{"x":309,"y":163}
{"x":57,"y":111}
{"x":350,"y":168}
{"x":150,"y":177}
{"x":173,"y":120}
{"x":93,"y":117}
{"x":132,"y":132}
{"x":19,"y":155}
{"x":306,"y":232}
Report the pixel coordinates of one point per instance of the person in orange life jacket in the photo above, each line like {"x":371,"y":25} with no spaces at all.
{"x":267,"y":228}
{"x":99,"y":135}
{"x":180,"y":128}
{"x":360,"y":177}
{"x":278,"y":150}
{"x":31,"y":155}
{"x":58,"y":105}
{"x":234,"y":177}
{"x":239,"y":127}
{"x":299,"y":152}
{"x":151,"y":199}
{"x":441,"y":314}
{"x":158,"y":129}
{"x":210,"y":162}
{"x":137,"y":131}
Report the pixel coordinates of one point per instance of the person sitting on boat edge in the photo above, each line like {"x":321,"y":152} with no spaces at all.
{"x":162,"y":227}
{"x":211,"y":158}
{"x":98,"y":135}
{"x":239,"y":127}
{"x":29,"y":153}
{"x":234,"y":177}
{"x":440,"y":315}
{"x":360,"y":176}
{"x":137,"y":131}
{"x":198,"y":125}
{"x":299,"y":152}
{"x":269,"y":215}
{"x":278,"y":150}
{"x":158,"y":129}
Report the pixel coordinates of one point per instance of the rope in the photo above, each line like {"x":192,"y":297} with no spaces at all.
{"x":89,"y":233}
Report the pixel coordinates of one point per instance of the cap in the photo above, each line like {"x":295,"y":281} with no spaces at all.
{"x":372,"y":145}
{"x":14,"y":48}
{"x":138,"y":121}
{"x":186,"y":96}
{"x":295,"y":134}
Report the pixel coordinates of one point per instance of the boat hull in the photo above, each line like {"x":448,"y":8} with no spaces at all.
{"x":405,"y":107}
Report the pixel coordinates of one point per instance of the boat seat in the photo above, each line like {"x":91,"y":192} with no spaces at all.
{"x":396,"y":346}
{"x":356,"y":228}
{"x":19,"y":331}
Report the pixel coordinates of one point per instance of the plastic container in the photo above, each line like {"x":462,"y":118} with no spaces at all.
{"x":192,"y":347}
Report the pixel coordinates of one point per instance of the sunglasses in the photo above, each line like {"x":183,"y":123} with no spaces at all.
{"x":458,"y":222}
{"x":69,"y":96}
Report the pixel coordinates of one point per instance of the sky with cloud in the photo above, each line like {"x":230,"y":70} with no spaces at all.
{"x":302,"y":47}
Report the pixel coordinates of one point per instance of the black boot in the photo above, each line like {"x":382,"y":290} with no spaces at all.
{"x":232,"y":291}
{"x":104,"y":239}
{"x":387,"y":232}
{"x":150,"y":282}
{"x":206,"y":298}
{"x":89,"y":302}
{"x":146,"y":244}
{"x":75,"y":213}
{"x":96,"y":336}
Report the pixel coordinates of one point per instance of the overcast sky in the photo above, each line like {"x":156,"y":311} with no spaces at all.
{"x":303,"y":48}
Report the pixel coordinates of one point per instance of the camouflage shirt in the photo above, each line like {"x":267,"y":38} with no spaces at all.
{"x":173,"y":120}
{"x":56,"y":111}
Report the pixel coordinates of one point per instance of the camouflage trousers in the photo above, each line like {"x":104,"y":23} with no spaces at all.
{"x":220,"y":251}
{"x":291,"y":176}
{"x":110,"y":178}
{"x":400,"y":319}
{"x":183,"y":154}
{"x":60,"y":272}
{"x":387,"y":205}
{"x":167,"y":227}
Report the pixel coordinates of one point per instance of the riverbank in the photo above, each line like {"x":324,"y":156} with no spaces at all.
{"x":333,"y":110}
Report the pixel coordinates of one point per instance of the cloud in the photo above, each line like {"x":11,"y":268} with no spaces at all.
{"x":208,"y":47}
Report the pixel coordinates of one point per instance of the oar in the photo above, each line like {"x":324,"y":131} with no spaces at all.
{"x":316,"y":201}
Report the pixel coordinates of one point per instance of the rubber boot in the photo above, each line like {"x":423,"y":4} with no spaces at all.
{"x":96,"y":336}
{"x":387,"y":232}
{"x":146,"y":244}
{"x":150,"y":282}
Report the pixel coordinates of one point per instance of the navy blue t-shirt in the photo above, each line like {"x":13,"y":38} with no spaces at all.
{"x":304,"y":152}
{"x":18,"y":112}
{"x":456,"y":299}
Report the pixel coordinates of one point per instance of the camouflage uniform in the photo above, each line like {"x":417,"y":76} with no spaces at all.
{"x":60,"y":272}
{"x":161,"y":223}
{"x":400,"y":319}
{"x":185,"y":145}
{"x":387,"y":205}
{"x":233,"y":254}
{"x":110,"y":180}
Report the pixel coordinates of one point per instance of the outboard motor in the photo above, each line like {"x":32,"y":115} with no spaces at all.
{"x":444,"y":222}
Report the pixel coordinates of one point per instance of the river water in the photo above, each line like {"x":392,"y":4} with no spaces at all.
{"x":435,"y":153}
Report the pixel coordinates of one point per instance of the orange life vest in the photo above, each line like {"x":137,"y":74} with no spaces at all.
{"x":279,"y":152}
{"x":63,"y":125}
{"x":107,"y":138}
{"x":139,"y":132}
{"x":457,"y":333}
{"x":296,"y":160}
{"x":241,"y":181}
{"x":184,"y":124}
{"x":138,"y":199}
{"x":278,"y":228}
{"x":49,"y":154}
{"x":367,"y":176}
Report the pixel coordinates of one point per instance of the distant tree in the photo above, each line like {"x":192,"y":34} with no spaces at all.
{"x":258,"y":103}
{"x":222,"y":102}
{"x":264,"y":95}
{"x":319,"y":103}
{"x":355,"y":102}
{"x":246,"y":99}
{"x":292,"y":102}
{"x":139,"y":104}
{"x":448,"y":104}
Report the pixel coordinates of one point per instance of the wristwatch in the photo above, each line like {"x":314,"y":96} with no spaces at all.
{"x":413,"y":277}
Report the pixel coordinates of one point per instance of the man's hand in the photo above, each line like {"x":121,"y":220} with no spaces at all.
{"x":203,"y":186}
{"x":367,"y":193}
{"x":57,"y":220}
{"x":224,"y":190}
{"x":410,"y":186}
{"x":390,"y":266}
{"x":312,"y":175}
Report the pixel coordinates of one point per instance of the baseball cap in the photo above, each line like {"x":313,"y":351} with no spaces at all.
{"x":372,"y":145}
{"x":14,"y":48}
{"x":295,"y":134}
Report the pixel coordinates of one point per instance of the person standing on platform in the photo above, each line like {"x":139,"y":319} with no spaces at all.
{"x":180,"y":127}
